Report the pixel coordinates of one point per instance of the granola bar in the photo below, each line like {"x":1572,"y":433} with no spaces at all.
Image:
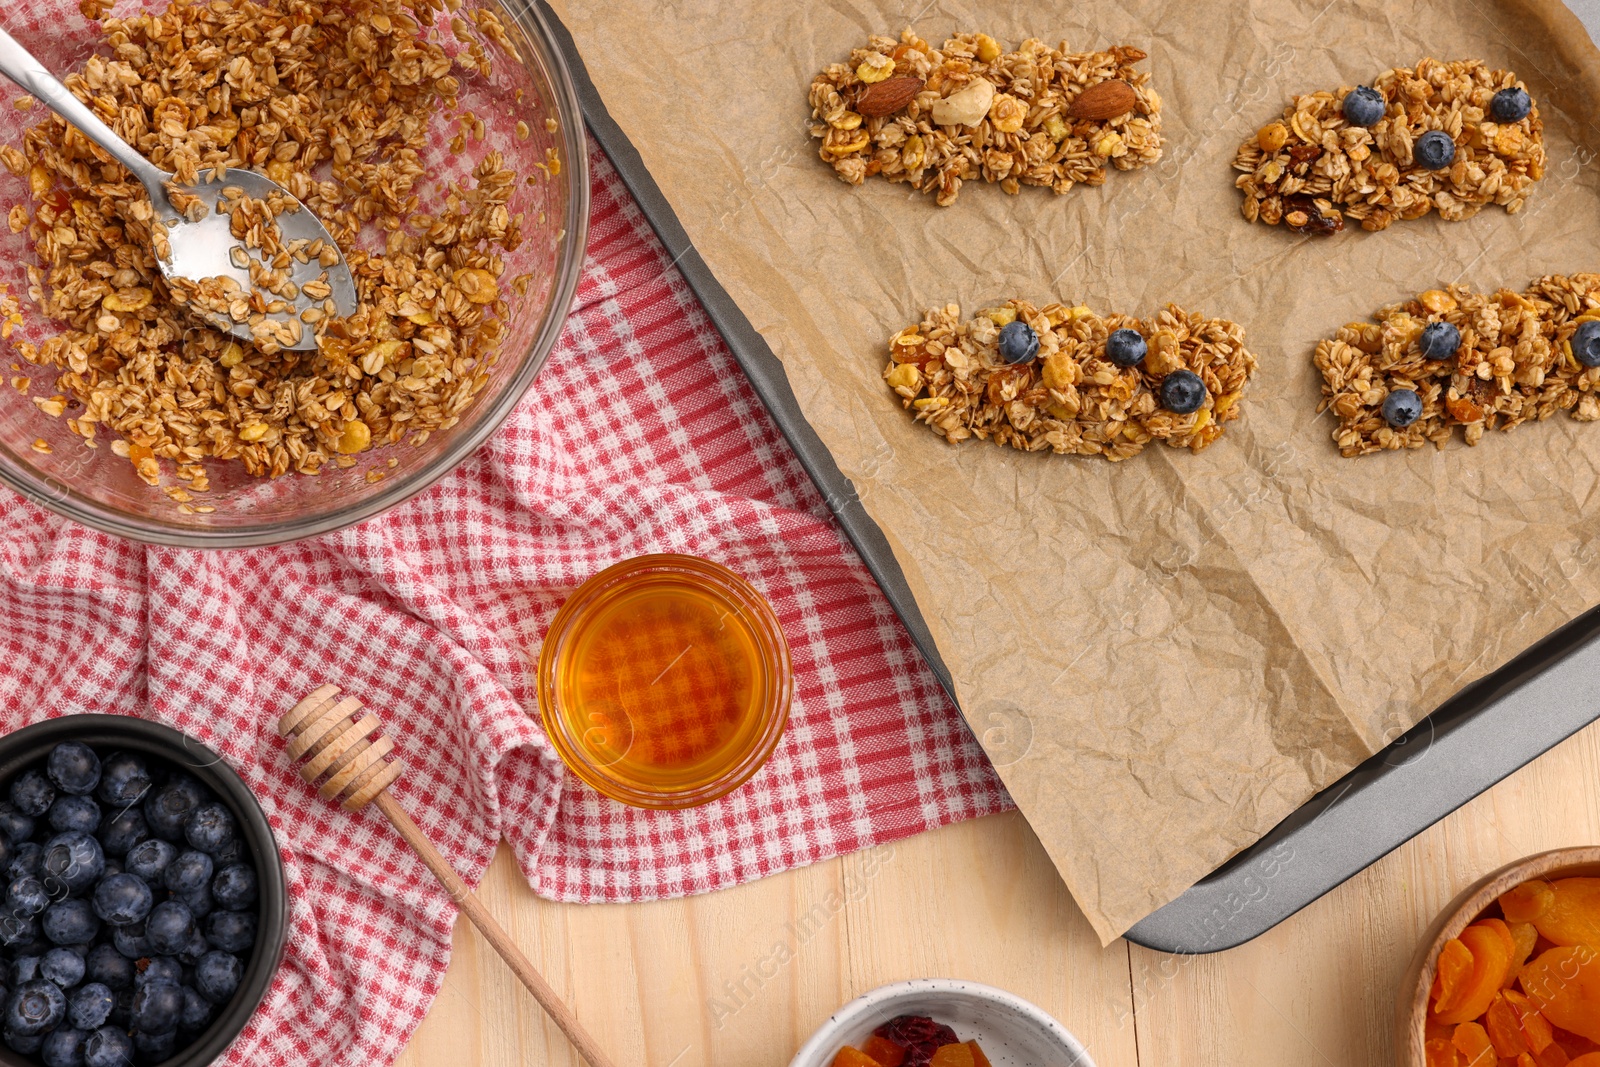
{"x":939,"y":117}
{"x":1514,"y":361}
{"x":1070,"y":397}
{"x":1315,"y":167}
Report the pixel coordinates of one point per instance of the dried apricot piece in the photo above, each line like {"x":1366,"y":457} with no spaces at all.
{"x":1552,"y":1056}
{"x":854,"y":1057}
{"x":1564,"y":983}
{"x":1441,"y":1053}
{"x":1526,"y":938}
{"x":1588,"y":1059}
{"x":1505,"y":1029}
{"x":1527,"y":901}
{"x":978,"y":1058}
{"x":884,"y":1051}
{"x":1472,"y":1041}
{"x":952,"y":1056}
{"x":1573,"y":915}
{"x":1535,"y":1027}
{"x":1489,"y":941}
{"x":1450,"y":975}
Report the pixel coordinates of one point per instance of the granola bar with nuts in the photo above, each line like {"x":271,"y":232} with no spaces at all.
{"x":940,"y":117}
{"x":1455,"y":358}
{"x":1092,"y":385}
{"x":1445,"y":137}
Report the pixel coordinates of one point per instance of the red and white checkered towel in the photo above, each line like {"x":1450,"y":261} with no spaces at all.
{"x":642,"y":435}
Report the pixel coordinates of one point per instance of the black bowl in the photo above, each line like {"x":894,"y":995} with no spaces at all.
{"x":107,"y":733}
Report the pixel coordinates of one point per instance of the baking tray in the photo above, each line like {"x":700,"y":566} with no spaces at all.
{"x":1479,"y":736}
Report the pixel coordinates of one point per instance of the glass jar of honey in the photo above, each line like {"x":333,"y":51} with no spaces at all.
{"x":665,"y":682}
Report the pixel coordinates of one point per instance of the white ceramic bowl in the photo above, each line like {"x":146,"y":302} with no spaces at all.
{"x":1012,"y":1032}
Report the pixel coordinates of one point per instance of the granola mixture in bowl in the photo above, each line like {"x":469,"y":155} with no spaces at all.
{"x":439,"y":141}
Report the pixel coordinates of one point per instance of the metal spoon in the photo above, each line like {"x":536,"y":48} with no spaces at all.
{"x":205,"y":248}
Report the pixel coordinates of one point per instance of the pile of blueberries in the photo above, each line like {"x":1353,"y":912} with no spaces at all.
{"x":129,"y":912}
{"x":1181,"y":391}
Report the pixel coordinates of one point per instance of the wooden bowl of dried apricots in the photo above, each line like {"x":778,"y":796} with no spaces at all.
{"x":1510,"y":972}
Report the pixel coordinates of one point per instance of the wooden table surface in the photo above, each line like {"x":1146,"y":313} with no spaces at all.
{"x":743,"y":976}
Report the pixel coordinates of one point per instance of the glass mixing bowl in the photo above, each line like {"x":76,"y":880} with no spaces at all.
{"x":100,"y":489}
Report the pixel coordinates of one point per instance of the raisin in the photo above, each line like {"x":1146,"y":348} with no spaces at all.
{"x":1302,"y":215}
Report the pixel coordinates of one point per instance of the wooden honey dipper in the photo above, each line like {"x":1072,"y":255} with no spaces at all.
{"x":335,"y":740}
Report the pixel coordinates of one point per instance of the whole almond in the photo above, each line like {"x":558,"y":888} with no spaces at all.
{"x":1103,"y":100}
{"x":888,"y":96}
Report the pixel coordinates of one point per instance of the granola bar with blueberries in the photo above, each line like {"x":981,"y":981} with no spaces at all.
{"x":936,"y":118}
{"x":1454,"y":358}
{"x":1444,"y":137}
{"x":1069,"y":380}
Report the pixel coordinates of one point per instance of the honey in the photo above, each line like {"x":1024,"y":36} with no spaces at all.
{"x":665,"y":681}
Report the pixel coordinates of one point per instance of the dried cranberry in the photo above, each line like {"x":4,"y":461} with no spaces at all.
{"x":919,"y":1035}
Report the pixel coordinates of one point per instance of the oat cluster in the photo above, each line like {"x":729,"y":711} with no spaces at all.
{"x":1007,"y":115}
{"x":1312,"y":169}
{"x":1070,"y":398}
{"x":335,"y":101}
{"x":1515,"y":364}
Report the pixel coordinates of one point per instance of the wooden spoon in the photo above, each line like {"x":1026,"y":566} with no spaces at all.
{"x":335,"y":740}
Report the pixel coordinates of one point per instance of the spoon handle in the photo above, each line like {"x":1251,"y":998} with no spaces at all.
{"x":18,"y":64}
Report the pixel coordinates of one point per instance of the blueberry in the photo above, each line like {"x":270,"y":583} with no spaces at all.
{"x":18,"y":931}
{"x":1439,"y":340}
{"x":155,"y":1048}
{"x":90,"y":1006}
{"x":25,"y":969}
{"x":197,"y":1011}
{"x":156,"y":1006}
{"x":124,"y":780}
{"x":232,"y":853}
{"x":36,"y":1007}
{"x":28,"y":859}
{"x":27,"y":896}
{"x":27,"y":1044}
{"x":169,"y":927}
{"x":108,"y":1047}
{"x":1586,"y":343}
{"x":122,"y":899}
{"x":232,"y":931}
{"x":32,"y":793}
{"x":1018,"y":342}
{"x":1126,"y":348}
{"x":104,"y":965}
{"x":1364,"y":106}
{"x":14,"y":825}
{"x":149,"y":859}
{"x":1434,"y":150}
{"x":198,"y":901}
{"x":198,"y":946}
{"x":74,"y":860}
{"x":1510,"y":105}
{"x":1401,"y":408}
{"x":122,"y":830}
{"x":170,"y":807}
{"x":217,"y":976}
{"x":63,"y":1047}
{"x":160,"y":969}
{"x":235,"y":886}
{"x":131,"y":941}
{"x":122,"y":1011}
{"x":62,"y":966}
{"x":1182,"y":392}
{"x":74,"y":767}
{"x":74,"y":813}
{"x":191,"y":870}
{"x":70,"y":922}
